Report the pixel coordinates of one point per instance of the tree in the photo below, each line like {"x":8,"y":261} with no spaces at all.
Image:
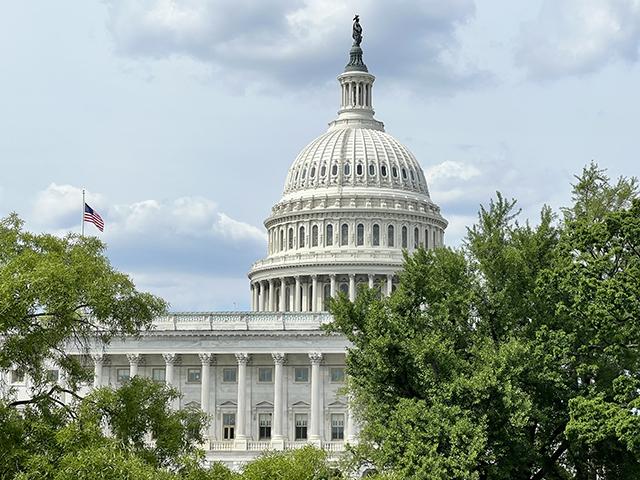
{"x":307,"y":463}
{"x":513,"y":357}
{"x":55,"y":291}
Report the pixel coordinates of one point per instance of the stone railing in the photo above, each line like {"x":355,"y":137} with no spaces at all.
{"x":372,"y":256}
{"x":226,"y":321}
{"x":263,"y":445}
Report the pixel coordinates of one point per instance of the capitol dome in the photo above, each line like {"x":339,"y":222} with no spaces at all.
{"x":354,"y":199}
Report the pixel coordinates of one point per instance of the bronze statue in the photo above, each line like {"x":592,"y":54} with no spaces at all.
{"x":357,"y":31}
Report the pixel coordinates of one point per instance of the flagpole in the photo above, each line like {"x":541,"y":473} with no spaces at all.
{"x":82,"y":228}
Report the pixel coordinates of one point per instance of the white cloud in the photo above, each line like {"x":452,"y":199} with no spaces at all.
{"x":61,"y":205}
{"x":452,"y":170}
{"x":573,"y":37}
{"x":295,"y":42}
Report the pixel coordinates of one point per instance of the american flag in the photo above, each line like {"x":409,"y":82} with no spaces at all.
{"x":91,"y":216}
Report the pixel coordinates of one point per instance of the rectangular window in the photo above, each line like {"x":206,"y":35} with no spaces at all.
{"x":228,"y":426}
{"x":264,"y":426}
{"x":265,"y":374}
{"x":158,"y":375}
{"x":301,"y":426}
{"x":337,"y":374}
{"x":122,"y":375}
{"x":17,"y":375}
{"x":337,"y":426}
{"x":229,"y":375}
{"x":194,"y":375}
{"x":52,"y":376}
{"x":301,"y":374}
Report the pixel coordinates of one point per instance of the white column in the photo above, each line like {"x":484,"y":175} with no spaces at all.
{"x":277,"y":439}
{"x":272,"y":297}
{"x":351,"y":433}
{"x":314,"y":293}
{"x":254,"y":294}
{"x":305,"y":297}
{"x":205,"y":379}
{"x":298,"y":305}
{"x":241,"y":435}
{"x":314,"y":434}
{"x":283,"y":295}
{"x":134,"y":361}
{"x":352,"y":287}
{"x":370,"y":281}
{"x":292,"y":299}
{"x":98,"y":361}
{"x":332,"y":277}
{"x":389,"y":285}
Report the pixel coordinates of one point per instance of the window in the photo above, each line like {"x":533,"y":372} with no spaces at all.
{"x":301,"y":238}
{"x":229,"y":375}
{"x":433,"y":245}
{"x":265,"y":374}
{"x":372,"y":170}
{"x":301,"y":374}
{"x":264,"y":426}
{"x":301,"y":426}
{"x":329,"y":238}
{"x":314,"y":236}
{"x":413,"y":177}
{"x":122,"y":375}
{"x":344,"y":288}
{"x":304,"y":173}
{"x":17,"y":375}
{"x":158,"y":375}
{"x":337,"y":426}
{"x":390,"y":236}
{"x":290,"y":240}
{"x":359,"y":169}
{"x":313,"y":172}
{"x":404,"y":173}
{"x":404,"y":237}
{"x":360,"y":234}
{"x":383,"y":170}
{"x":347,"y":169}
{"x":53,"y":376}
{"x":334,"y":170}
{"x":228,"y":426}
{"x":394,"y":171}
{"x":281,"y":240}
{"x":323,"y":170}
{"x":194,"y":375}
{"x":376,"y":235}
{"x":416,"y":237}
{"x":426,"y":238}
{"x":336,"y":374}
{"x":344,"y":234}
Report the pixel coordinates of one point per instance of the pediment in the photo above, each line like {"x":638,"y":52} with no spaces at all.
{"x":337,"y":403}
{"x":228,"y":403}
{"x":300,"y":404}
{"x":264,"y":404}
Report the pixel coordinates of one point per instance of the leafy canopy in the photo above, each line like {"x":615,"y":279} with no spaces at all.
{"x":514,"y":357}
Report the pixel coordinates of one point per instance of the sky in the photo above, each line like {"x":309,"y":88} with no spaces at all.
{"x":181,"y":118}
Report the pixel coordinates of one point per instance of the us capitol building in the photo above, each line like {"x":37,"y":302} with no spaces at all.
{"x":353,"y":200}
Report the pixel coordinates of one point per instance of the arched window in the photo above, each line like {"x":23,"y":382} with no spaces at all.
{"x":301,"y":238}
{"x":344,"y":288}
{"x":416,"y":237}
{"x":360,"y":234}
{"x":326,"y":295}
{"x":313,"y":172}
{"x":281,"y":245}
{"x":359,"y":169}
{"x":376,"y":235}
{"x":405,"y":241}
{"x":372,"y":170}
{"x":413,"y":177}
{"x":383,"y":170}
{"x":290,"y":239}
{"x":334,"y":169}
{"x":323,"y":170}
{"x":390,"y":236}
{"x":344,"y":234}
{"x":404,"y":174}
{"x":314,"y":236}
{"x":347,"y":169}
{"x":394,"y":171}
{"x":329,"y":237}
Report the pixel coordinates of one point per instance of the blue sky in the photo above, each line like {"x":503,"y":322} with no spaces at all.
{"x":181,"y":118}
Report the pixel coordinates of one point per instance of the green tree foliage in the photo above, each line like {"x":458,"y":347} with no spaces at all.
{"x":514,"y":357}
{"x":307,"y":463}
{"x":55,"y":291}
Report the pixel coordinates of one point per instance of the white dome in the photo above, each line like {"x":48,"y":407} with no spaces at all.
{"x":356,"y":157}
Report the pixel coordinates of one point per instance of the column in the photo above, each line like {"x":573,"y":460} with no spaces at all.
{"x":389,"y":285}
{"x":351,"y":433}
{"x":314,"y":293}
{"x":298,"y":306}
{"x":370,"y":281}
{"x":254,"y":296}
{"x":283,"y":297}
{"x":314,"y":433}
{"x":352,"y":287}
{"x":134,"y":361}
{"x":241,"y":435}
{"x":292,"y":299}
{"x":205,"y":378}
{"x":272,"y":296}
{"x":332,"y":277}
{"x":305,"y":297}
{"x":277,"y":438}
{"x":98,"y":361}
{"x":169,"y":361}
